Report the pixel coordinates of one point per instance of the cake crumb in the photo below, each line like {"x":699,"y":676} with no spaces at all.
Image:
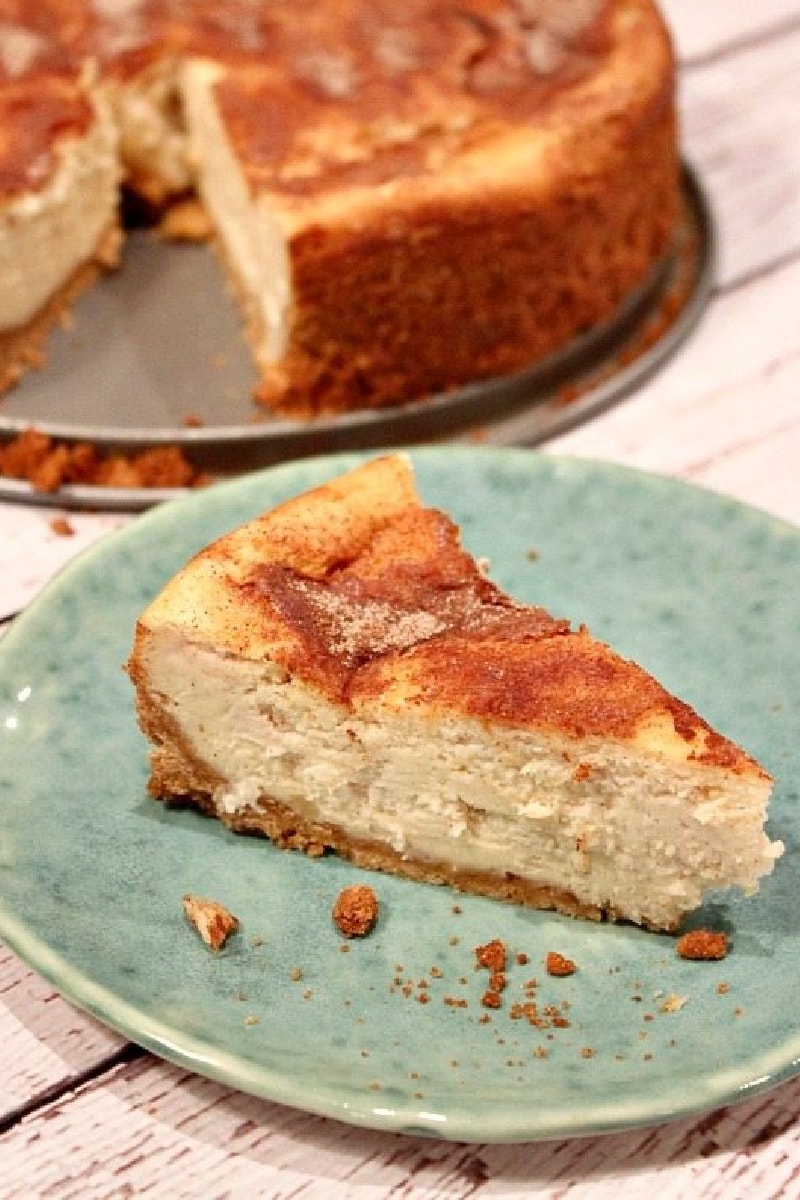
{"x":703,"y":945}
{"x":62,"y":527}
{"x":672,"y":1003}
{"x":558,"y":965}
{"x":356,"y":910}
{"x":185,"y":221}
{"x":48,"y":464}
{"x":492,"y":956}
{"x":723,"y":988}
{"x":212,"y":920}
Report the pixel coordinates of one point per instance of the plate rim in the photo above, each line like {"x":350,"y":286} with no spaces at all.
{"x":187,"y":1050}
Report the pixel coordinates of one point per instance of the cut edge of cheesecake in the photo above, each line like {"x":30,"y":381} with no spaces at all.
{"x":340,"y":674}
{"x":311,"y":271}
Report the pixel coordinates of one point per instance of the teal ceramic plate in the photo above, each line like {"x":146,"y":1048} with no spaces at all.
{"x":392,"y":1033}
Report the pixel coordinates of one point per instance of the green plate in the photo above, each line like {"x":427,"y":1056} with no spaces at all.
{"x":701,"y":590}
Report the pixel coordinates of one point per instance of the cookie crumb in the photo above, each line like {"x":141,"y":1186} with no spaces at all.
{"x":212,"y":920}
{"x":62,"y":527}
{"x":492,"y":956}
{"x":558,"y":965}
{"x":185,"y":221}
{"x":356,"y":910}
{"x":703,"y":945}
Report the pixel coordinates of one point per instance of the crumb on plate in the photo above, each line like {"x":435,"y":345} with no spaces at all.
{"x":703,"y":945}
{"x":558,"y":965}
{"x":356,"y":910}
{"x":212,"y":920}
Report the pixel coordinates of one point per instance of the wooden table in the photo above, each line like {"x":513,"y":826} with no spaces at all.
{"x":84,"y":1114}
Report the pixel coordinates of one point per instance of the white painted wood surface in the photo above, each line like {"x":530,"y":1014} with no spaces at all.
{"x":80,"y":1117}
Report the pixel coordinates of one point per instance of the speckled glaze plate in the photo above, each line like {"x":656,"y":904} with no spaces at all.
{"x":702,"y":591}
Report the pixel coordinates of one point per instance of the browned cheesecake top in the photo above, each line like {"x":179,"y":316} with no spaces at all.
{"x":357,"y":91}
{"x":412,"y":584}
{"x":359,"y":591}
{"x":35,"y":114}
{"x":363,"y":92}
{"x":412,"y":617}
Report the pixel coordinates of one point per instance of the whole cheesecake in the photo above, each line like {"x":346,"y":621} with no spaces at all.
{"x":340,"y":674}
{"x":407,"y":198}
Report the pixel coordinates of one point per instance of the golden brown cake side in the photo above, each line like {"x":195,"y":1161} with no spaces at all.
{"x":339,"y":673}
{"x":449,"y":225}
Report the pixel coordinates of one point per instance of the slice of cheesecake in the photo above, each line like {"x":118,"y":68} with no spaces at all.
{"x":339,"y":673}
{"x":59,"y":226}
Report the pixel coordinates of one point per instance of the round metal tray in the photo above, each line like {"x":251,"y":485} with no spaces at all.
{"x":159,"y":344}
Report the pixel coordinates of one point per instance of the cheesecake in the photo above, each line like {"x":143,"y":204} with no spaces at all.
{"x":341,"y":675}
{"x":59,"y":210}
{"x":406,"y":199}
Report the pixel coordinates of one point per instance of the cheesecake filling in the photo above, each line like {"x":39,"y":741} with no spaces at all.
{"x":547,"y":811}
{"x":47,"y":234}
{"x":252,"y":240}
{"x":153,"y":144}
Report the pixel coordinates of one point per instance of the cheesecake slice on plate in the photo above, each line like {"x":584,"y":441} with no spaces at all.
{"x":341,"y":674}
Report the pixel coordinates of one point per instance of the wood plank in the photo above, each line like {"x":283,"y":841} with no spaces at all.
{"x":704,"y":30}
{"x":740,"y":118}
{"x":724,"y":408}
{"x":46,"y":1042}
{"x":31,"y":551}
{"x":149,"y":1128}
